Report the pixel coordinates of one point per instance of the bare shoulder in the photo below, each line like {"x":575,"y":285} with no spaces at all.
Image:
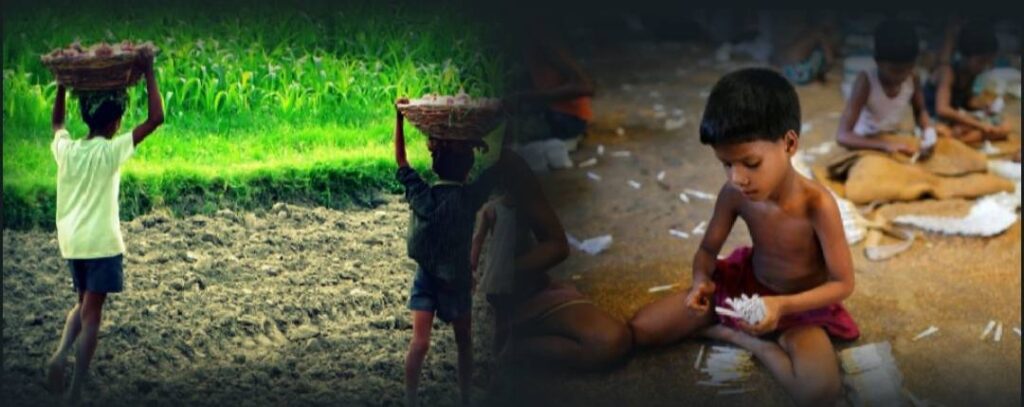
{"x":730,"y":197}
{"x":819,"y":200}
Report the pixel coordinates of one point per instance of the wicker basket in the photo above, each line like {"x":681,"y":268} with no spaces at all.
{"x":457,"y":121}
{"x":100,"y":67}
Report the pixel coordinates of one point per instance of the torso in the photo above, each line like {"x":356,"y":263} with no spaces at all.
{"x":787,"y":254}
{"x":884,"y":110}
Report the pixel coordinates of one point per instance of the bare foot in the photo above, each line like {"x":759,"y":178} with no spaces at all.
{"x":55,"y":375}
{"x":735,"y":337}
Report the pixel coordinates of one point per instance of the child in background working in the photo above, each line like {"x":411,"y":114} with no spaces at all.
{"x":800,"y":263}
{"x":440,"y":235}
{"x":88,"y":220}
{"x":881,"y":95}
{"x":950,"y":95}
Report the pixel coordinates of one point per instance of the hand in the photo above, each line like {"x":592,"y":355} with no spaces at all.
{"x":400,"y":101}
{"x":699,"y":297}
{"x":901,"y":148}
{"x":145,"y":60}
{"x":772,"y":314}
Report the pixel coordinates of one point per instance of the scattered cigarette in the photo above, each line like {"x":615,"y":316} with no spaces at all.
{"x":999,"y":332}
{"x":806,"y":127}
{"x":600,"y":149}
{"x":620,"y":154}
{"x":684,"y":198}
{"x":988,"y":328}
{"x":634,"y":184}
{"x":701,"y":228}
{"x":620,"y":131}
{"x":591,"y":175}
{"x":576,"y":276}
{"x":700,"y":355}
{"x":661,"y":176}
{"x":699,"y":194}
{"x":661,"y":288}
{"x":927,"y":332}
{"x":588,"y":163}
{"x":658,"y":107}
{"x":674,"y":124}
{"x":1017,"y":331}
{"x":678,"y":233}
{"x":834,"y":115}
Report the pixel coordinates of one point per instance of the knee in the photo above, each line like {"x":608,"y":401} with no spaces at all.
{"x":640,"y":332}
{"x":419,"y":346}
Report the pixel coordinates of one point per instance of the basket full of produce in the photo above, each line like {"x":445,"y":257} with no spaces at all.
{"x":98,"y":67}
{"x":458,"y":117}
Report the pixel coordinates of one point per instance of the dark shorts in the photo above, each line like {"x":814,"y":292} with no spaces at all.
{"x":565,"y":126}
{"x":102,"y":275}
{"x":427,"y":294}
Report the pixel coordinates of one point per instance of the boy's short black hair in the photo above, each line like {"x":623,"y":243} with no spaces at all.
{"x":100,"y":108}
{"x":452,"y":160}
{"x":747,"y":105}
{"x":977,"y":38}
{"x":896,"y":41}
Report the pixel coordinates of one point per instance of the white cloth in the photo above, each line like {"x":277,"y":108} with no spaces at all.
{"x":882,"y":113}
{"x":499,"y":266}
{"x":88,"y":184}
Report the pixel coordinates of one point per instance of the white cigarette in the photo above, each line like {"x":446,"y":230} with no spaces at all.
{"x":700,"y":355}
{"x":999,"y":332}
{"x":701,"y":228}
{"x":678,"y":233}
{"x":661,"y":288}
{"x":728,"y":312}
{"x":600,"y":149}
{"x":634,"y":184}
{"x":699,"y":194}
{"x":661,"y":176}
{"x":621,"y":154}
{"x":588,"y":163}
{"x":927,"y":332}
{"x":591,"y":175}
{"x":684,"y":198}
{"x":1017,"y":331}
{"x":732,"y":391}
{"x":988,"y":328}
{"x":576,"y":276}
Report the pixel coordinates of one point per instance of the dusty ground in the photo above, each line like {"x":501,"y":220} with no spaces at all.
{"x":957,"y":284}
{"x":307,"y":305}
{"x":297,"y":305}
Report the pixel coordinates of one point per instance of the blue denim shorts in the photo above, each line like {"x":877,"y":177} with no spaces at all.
{"x":101,"y":275}
{"x":429,"y":294}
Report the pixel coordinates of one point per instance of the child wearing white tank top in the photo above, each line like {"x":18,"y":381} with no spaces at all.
{"x":880,"y":97}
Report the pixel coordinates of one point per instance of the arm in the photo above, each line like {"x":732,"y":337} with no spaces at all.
{"x":156,"y":105}
{"x":722,"y":219}
{"x":845,"y":135}
{"x":917,"y":102}
{"x":484,"y":223}
{"x":944,"y":107}
{"x":552,"y":247}
{"x":59,"y":108}
{"x":829,"y":227}
{"x":400,"y":137}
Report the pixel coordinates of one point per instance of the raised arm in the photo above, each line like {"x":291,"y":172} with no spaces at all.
{"x":485,"y":218}
{"x":155,"y":115}
{"x":400,"y":136}
{"x":59,"y":108}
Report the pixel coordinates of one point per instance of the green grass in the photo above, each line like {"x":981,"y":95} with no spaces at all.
{"x":262,"y":104}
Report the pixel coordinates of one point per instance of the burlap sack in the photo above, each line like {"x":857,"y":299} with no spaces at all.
{"x":951,"y":157}
{"x":877,"y":178}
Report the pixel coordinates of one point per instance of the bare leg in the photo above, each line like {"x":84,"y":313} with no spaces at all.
{"x":421,"y":324}
{"x":667,"y":320}
{"x":803,"y":361}
{"x":91,"y":312}
{"x":464,"y":341}
{"x":55,"y":366}
{"x":578,"y":337}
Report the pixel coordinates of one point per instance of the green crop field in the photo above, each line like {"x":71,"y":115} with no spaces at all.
{"x":263,"y":103}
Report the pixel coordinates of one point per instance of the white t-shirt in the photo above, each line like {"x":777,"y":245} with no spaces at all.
{"x":88,"y":183}
{"x":881,"y":113}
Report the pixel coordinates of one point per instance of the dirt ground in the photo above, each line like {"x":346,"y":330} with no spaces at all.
{"x":307,"y":305}
{"x":957,"y":284}
{"x":290,"y":306}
